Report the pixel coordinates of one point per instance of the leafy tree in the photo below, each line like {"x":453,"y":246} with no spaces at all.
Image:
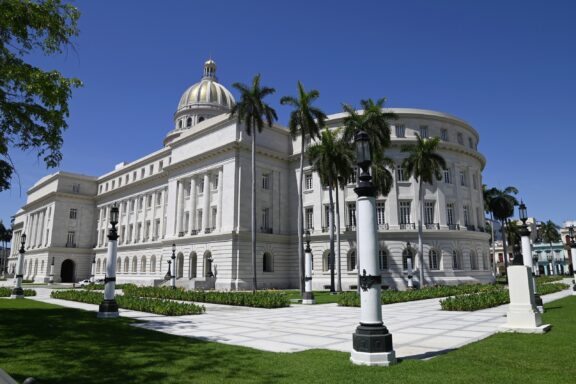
{"x":252,"y":111}
{"x":328,"y":157}
{"x":501,"y":203}
{"x":487,"y":194}
{"x":33,"y":102}
{"x":425,"y":164}
{"x":5,"y":238}
{"x":375,"y":122}
{"x":306,"y":122}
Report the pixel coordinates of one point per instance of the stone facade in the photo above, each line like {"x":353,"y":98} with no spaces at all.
{"x":195,"y":192}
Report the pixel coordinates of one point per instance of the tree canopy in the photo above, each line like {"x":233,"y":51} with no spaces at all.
{"x":33,"y":101}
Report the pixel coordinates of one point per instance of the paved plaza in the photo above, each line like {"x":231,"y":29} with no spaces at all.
{"x":419,"y":329}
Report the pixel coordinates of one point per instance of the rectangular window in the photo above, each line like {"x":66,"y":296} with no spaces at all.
{"x":215,"y":182}
{"x":479,"y":218}
{"x":383,"y":257}
{"x":404,"y":217}
{"x":450,"y":214}
{"x":113,"y":184}
{"x":380,"y":211}
{"x":463,"y":178}
{"x":447,"y":176}
{"x":460,"y":138}
{"x":122,"y":234}
{"x":100,"y":189}
{"x":200,"y":187}
{"x":156,"y":229}
{"x":139,"y":232}
{"x":119,"y":182}
{"x":134,"y":174}
{"x":148,"y":201}
{"x":401,"y":174}
{"x":466,"y":215}
{"x":327,"y":216}
{"x":424,"y":131}
{"x":213,"y":218}
{"x":400,"y":130}
{"x":127,"y":179}
{"x":309,"y":218}
{"x":266,"y":181}
{"x":76,"y":188}
{"x":142,"y":173}
{"x":352,"y":215}
{"x":352,"y":178}
{"x":158,"y":198}
{"x":199,"y":219}
{"x":429,"y":212}
{"x":160,"y":166}
{"x":130,"y":230}
{"x":470,"y":143}
{"x":147,"y":230}
{"x":73,"y":213}
{"x":70,"y":240}
{"x":265,"y":218}
{"x":151,"y":171}
{"x":444,"y":135}
{"x":308,"y":181}
{"x":140,"y":203}
{"x":475,"y":181}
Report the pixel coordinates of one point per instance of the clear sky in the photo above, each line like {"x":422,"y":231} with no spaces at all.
{"x":506,"y":67}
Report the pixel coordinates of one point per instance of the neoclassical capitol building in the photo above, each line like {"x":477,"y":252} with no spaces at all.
{"x":195,"y":192}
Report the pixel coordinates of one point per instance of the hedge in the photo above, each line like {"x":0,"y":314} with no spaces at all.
{"x":158,"y":306}
{"x":259,"y":299}
{"x":6,"y":292}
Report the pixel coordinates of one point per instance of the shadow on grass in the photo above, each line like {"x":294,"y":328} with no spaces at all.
{"x":61,"y":345}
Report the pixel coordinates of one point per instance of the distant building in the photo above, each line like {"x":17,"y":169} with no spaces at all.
{"x":195,"y":192}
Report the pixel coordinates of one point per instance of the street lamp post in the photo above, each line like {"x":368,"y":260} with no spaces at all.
{"x":93,"y":269}
{"x":526,"y":254}
{"x":308,"y":297}
{"x":409,"y":265}
{"x":51,"y":281}
{"x":573,"y":254}
{"x":17,"y":291}
{"x":109,"y":307}
{"x":371,"y":342}
{"x":173,"y":276}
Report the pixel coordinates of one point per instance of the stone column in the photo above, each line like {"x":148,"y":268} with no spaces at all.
{"x":193,"y":196}
{"x":179,"y":207}
{"x":219,"y":204}
{"x":206,"y":202}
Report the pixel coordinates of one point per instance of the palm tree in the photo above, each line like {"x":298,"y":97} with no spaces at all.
{"x":487,"y":194}
{"x":252,"y":111}
{"x":549,"y":233}
{"x":344,"y":175}
{"x":305,"y":121}
{"x":375,"y":122}
{"x":502,"y":207}
{"x":424,"y":164}
{"x":327,"y":158}
{"x":5,"y":238}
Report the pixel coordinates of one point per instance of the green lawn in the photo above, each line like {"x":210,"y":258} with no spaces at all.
{"x":322,"y":297}
{"x":67,"y":346}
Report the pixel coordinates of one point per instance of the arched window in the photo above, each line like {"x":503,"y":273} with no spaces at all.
{"x":119,"y":265}
{"x":407,"y":254}
{"x":189,"y":122}
{"x":456,"y":261}
{"x":326,"y":260}
{"x":484,"y":261}
{"x":126,"y":265}
{"x":200,"y":119}
{"x":208,"y":264}
{"x":179,"y":267}
{"x":193,"y":261}
{"x":383,"y":258}
{"x":98,"y":265}
{"x":153,"y":264}
{"x":143,"y":265}
{"x":104,"y":266}
{"x":433,"y":259}
{"x":267,"y":262}
{"x":473,"y":261}
{"x":351,"y":260}
{"x":134,"y":264}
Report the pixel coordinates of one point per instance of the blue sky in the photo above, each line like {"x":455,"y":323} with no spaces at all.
{"x":506,"y":67}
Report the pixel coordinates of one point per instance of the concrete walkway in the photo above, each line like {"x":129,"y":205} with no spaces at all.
{"x":419,"y":329}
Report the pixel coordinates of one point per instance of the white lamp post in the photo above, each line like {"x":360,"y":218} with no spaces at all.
{"x":109,"y":307}
{"x":409,"y":266}
{"x":573,"y":254}
{"x":371,"y":342}
{"x":308,"y":297}
{"x":17,"y":291}
{"x":527,"y":252}
{"x":51,"y":281}
{"x":93,"y":269}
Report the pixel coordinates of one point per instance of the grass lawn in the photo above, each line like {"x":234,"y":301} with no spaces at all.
{"x":62,"y":345}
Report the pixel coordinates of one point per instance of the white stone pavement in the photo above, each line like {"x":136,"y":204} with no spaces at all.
{"x":419,"y":329}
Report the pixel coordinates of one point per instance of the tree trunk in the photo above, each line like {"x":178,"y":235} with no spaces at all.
{"x":338,"y":258}
{"x":254,"y":285}
{"x":420,"y":243}
{"x":494,"y":259}
{"x":331,"y":231}
{"x":301,"y":222}
{"x":504,"y":247}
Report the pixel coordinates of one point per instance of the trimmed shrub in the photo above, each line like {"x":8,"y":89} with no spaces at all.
{"x":475,"y":301}
{"x":6,"y":292}
{"x":544,"y":289}
{"x":158,"y":306}
{"x":259,"y":299}
{"x":549,"y":279}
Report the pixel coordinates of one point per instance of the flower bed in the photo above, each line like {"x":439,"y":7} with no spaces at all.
{"x":6,"y":292}
{"x":259,"y":299}
{"x":158,"y":306}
